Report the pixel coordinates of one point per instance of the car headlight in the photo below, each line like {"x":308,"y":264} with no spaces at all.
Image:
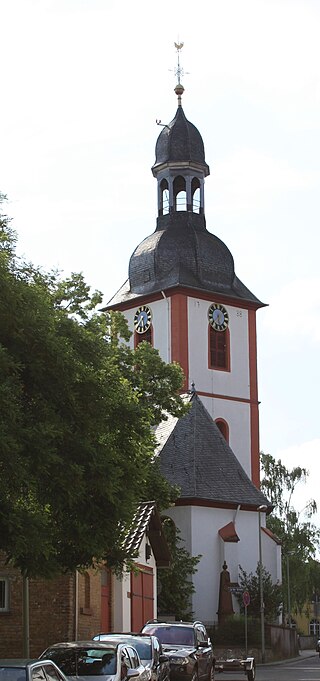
{"x":178,"y":660}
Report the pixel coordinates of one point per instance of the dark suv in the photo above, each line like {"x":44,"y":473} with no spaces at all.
{"x":188,"y":647}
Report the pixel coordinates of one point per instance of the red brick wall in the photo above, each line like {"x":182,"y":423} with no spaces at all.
{"x":52,"y":612}
{"x":90,"y":618}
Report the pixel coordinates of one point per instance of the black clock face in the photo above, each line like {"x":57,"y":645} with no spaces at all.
{"x":142,"y":319}
{"x":218,"y":317}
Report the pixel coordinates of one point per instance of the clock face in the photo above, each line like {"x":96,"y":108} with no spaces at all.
{"x":218,"y":317}
{"x":142,"y":319}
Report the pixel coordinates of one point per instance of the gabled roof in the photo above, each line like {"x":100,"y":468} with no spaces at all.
{"x":147,"y":521}
{"x":195,"y":456}
{"x":272,"y":536}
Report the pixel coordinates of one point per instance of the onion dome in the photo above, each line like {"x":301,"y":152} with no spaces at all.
{"x":180,"y":141}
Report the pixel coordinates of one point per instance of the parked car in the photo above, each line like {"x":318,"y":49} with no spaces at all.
{"x":189,"y":649}
{"x":149,"y":650}
{"x":318,"y":646}
{"x":30,"y":670}
{"x":113,"y":660}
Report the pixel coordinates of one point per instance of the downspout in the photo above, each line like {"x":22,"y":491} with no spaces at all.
{"x":76,"y":605}
{"x":236,"y":513}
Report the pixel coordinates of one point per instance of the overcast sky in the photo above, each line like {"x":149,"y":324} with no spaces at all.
{"x":82,"y":84}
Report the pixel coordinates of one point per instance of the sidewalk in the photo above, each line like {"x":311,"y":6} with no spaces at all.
{"x":302,"y":656}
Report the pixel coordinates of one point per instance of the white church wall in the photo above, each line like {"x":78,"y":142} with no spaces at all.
{"x":161,"y":326}
{"x":200,"y":527}
{"x":234,"y":383}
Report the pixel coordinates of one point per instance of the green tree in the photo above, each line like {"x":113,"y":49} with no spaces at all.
{"x":299,"y":536}
{"x":77,"y":408}
{"x":272,"y":593}
{"x":174,"y":585}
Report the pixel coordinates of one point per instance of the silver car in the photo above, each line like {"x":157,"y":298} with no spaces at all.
{"x":30,"y":670}
{"x":82,"y":660}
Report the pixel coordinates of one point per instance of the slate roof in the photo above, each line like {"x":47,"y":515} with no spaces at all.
{"x":195,"y":456}
{"x":182,"y":253}
{"x":180,"y":140}
{"x":147,"y":521}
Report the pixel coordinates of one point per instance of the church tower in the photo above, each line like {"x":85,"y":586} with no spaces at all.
{"x":183,"y":295}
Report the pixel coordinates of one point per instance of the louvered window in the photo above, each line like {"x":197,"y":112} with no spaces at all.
{"x":219,"y":356}
{"x":146,"y":336}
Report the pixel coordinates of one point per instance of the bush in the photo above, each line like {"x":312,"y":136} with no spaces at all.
{"x":231,"y":634}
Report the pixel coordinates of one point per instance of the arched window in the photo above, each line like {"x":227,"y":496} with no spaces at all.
{"x":179,"y":193}
{"x":87,"y":590}
{"x":195,"y":191}
{"x":164,"y":197}
{"x":224,"y":428}
{"x":219,"y":349}
{"x":146,"y":336}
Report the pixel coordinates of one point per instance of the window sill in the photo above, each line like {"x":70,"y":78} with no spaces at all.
{"x":86,"y":611}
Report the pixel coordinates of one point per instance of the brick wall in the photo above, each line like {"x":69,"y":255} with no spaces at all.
{"x":52,"y":611}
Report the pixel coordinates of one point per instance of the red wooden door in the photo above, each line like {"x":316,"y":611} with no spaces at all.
{"x":142,"y":597}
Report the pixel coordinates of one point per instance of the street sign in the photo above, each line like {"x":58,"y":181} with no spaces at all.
{"x":246,"y":598}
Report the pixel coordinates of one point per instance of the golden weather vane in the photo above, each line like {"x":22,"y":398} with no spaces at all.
{"x":179,"y":72}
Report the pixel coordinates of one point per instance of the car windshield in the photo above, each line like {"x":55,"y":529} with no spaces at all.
{"x":171,"y":634}
{"x":12,"y":674}
{"x":84,"y":662}
{"x":143,"y":648}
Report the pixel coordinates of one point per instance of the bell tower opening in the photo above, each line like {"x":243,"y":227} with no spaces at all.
{"x":164,"y":197}
{"x":179,"y":193}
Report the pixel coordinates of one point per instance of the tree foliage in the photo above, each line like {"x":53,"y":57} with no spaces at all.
{"x":77,"y":407}
{"x":272,"y":594}
{"x":175,"y":588}
{"x":299,"y":536}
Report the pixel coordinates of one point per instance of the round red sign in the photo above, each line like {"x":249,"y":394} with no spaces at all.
{"x":246,"y":598}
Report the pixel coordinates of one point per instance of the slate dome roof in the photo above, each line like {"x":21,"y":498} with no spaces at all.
{"x":181,"y":252}
{"x":180,"y":140}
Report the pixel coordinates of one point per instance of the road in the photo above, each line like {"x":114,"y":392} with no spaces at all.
{"x":303,"y":669}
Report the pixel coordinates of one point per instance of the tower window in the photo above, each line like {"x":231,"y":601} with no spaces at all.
{"x":195,"y":190}
{"x":164,"y":197}
{"x":179,"y":193}
{"x":146,"y":336}
{"x":224,"y":428}
{"x":219,"y":349}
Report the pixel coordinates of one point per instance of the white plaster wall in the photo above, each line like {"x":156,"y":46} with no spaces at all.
{"x":161,"y":324}
{"x":237,"y":415}
{"x":199,"y":527}
{"x":121,"y":603}
{"x":234,"y":383}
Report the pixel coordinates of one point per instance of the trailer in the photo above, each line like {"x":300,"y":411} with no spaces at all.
{"x":230,"y":664}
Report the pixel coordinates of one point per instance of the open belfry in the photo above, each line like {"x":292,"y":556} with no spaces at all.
{"x":183,"y":296}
